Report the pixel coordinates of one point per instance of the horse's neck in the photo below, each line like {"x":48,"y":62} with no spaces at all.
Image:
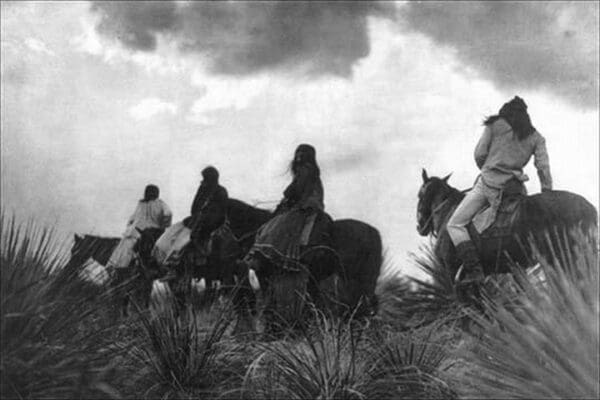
{"x":245,"y":218}
{"x":445,"y":207}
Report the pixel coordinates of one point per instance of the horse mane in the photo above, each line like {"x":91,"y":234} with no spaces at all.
{"x":244,"y":218}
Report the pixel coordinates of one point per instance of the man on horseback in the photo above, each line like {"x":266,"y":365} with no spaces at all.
{"x":150,"y":219}
{"x":151,"y":215}
{"x":208,"y":213}
{"x":505,"y":147}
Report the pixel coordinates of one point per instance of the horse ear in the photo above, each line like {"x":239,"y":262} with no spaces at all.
{"x":77,"y":238}
{"x":445,"y":179}
{"x":424,"y":175}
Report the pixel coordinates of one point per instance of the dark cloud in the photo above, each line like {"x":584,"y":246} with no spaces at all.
{"x":549,"y":45}
{"x":238,"y":38}
{"x":136,"y":23}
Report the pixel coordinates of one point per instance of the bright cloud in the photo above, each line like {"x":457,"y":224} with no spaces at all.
{"x":223,"y":93}
{"x":151,"y":107}
{"x":38,"y":46}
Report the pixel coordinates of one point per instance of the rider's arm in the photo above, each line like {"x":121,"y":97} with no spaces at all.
{"x":196,"y":203}
{"x":483,"y":146}
{"x":542,"y":162}
{"x":295,"y":189}
{"x":131,"y":219}
{"x":167,"y":215}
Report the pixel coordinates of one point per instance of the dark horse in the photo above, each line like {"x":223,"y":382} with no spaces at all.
{"x":221,"y":264}
{"x":530,"y":219}
{"x":133,"y":282}
{"x":357,"y":244}
{"x":350,"y":276}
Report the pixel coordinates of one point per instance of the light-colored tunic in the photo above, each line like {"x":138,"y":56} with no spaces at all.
{"x":501,"y":156}
{"x":148,"y":214}
{"x":151,"y":214}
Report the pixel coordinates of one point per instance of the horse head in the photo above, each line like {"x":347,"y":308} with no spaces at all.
{"x":432,"y":192}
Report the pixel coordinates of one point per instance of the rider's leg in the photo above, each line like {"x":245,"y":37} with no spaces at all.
{"x":474,"y":201}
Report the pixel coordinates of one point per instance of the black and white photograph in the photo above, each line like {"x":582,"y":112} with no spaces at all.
{"x":299,"y":199}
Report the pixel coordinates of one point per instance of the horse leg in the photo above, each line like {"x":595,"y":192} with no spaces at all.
{"x":209,"y":292}
{"x":244,"y":305}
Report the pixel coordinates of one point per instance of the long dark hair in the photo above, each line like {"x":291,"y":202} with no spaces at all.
{"x":151,"y":193}
{"x":310,"y":157}
{"x":515,"y":114}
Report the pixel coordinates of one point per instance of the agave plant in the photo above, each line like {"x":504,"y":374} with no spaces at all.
{"x":544,"y":342}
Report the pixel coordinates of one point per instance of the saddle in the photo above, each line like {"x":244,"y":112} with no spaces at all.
{"x":291,"y":235}
{"x":200,"y":251}
{"x":497,"y":220}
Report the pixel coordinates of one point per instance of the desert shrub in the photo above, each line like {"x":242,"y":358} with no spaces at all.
{"x":542,"y":341}
{"x":51,"y":346}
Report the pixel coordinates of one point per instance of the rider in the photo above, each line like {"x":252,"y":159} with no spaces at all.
{"x":300,"y":219}
{"x":209,"y":208}
{"x":151,"y":215}
{"x":506,"y":145}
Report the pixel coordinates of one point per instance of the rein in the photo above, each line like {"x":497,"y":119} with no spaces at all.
{"x":434,"y":211}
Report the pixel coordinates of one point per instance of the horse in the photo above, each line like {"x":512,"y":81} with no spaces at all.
{"x":348,"y":269}
{"x":516,"y":237}
{"x":127,"y":283}
{"x":356,"y":244}
{"x":228,"y":244}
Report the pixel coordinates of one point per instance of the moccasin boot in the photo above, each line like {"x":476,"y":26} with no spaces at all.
{"x":473,"y":271}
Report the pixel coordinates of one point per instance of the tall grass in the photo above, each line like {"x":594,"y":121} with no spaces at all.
{"x":542,"y":342}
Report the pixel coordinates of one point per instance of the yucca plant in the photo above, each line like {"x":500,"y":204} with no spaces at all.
{"x":324,"y":362}
{"x":183,"y":351}
{"x":408,"y":303}
{"x":411,"y":364}
{"x":543,"y":342}
{"x":51,"y":346}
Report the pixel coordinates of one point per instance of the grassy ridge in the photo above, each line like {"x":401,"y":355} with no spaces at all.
{"x":529,"y":341}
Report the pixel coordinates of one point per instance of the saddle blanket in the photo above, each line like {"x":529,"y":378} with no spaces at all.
{"x":123,"y":253}
{"x":280,"y":239}
{"x":170,"y":246}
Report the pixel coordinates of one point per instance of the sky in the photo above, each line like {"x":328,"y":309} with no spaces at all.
{"x":99,"y":99}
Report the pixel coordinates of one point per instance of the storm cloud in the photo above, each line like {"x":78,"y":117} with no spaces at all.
{"x":240,"y":38}
{"x":534,"y":45}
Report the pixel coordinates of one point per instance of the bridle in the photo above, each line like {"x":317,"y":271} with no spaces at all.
{"x":429,"y":221}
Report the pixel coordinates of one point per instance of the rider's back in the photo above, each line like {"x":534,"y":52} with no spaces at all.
{"x":503,"y":155}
